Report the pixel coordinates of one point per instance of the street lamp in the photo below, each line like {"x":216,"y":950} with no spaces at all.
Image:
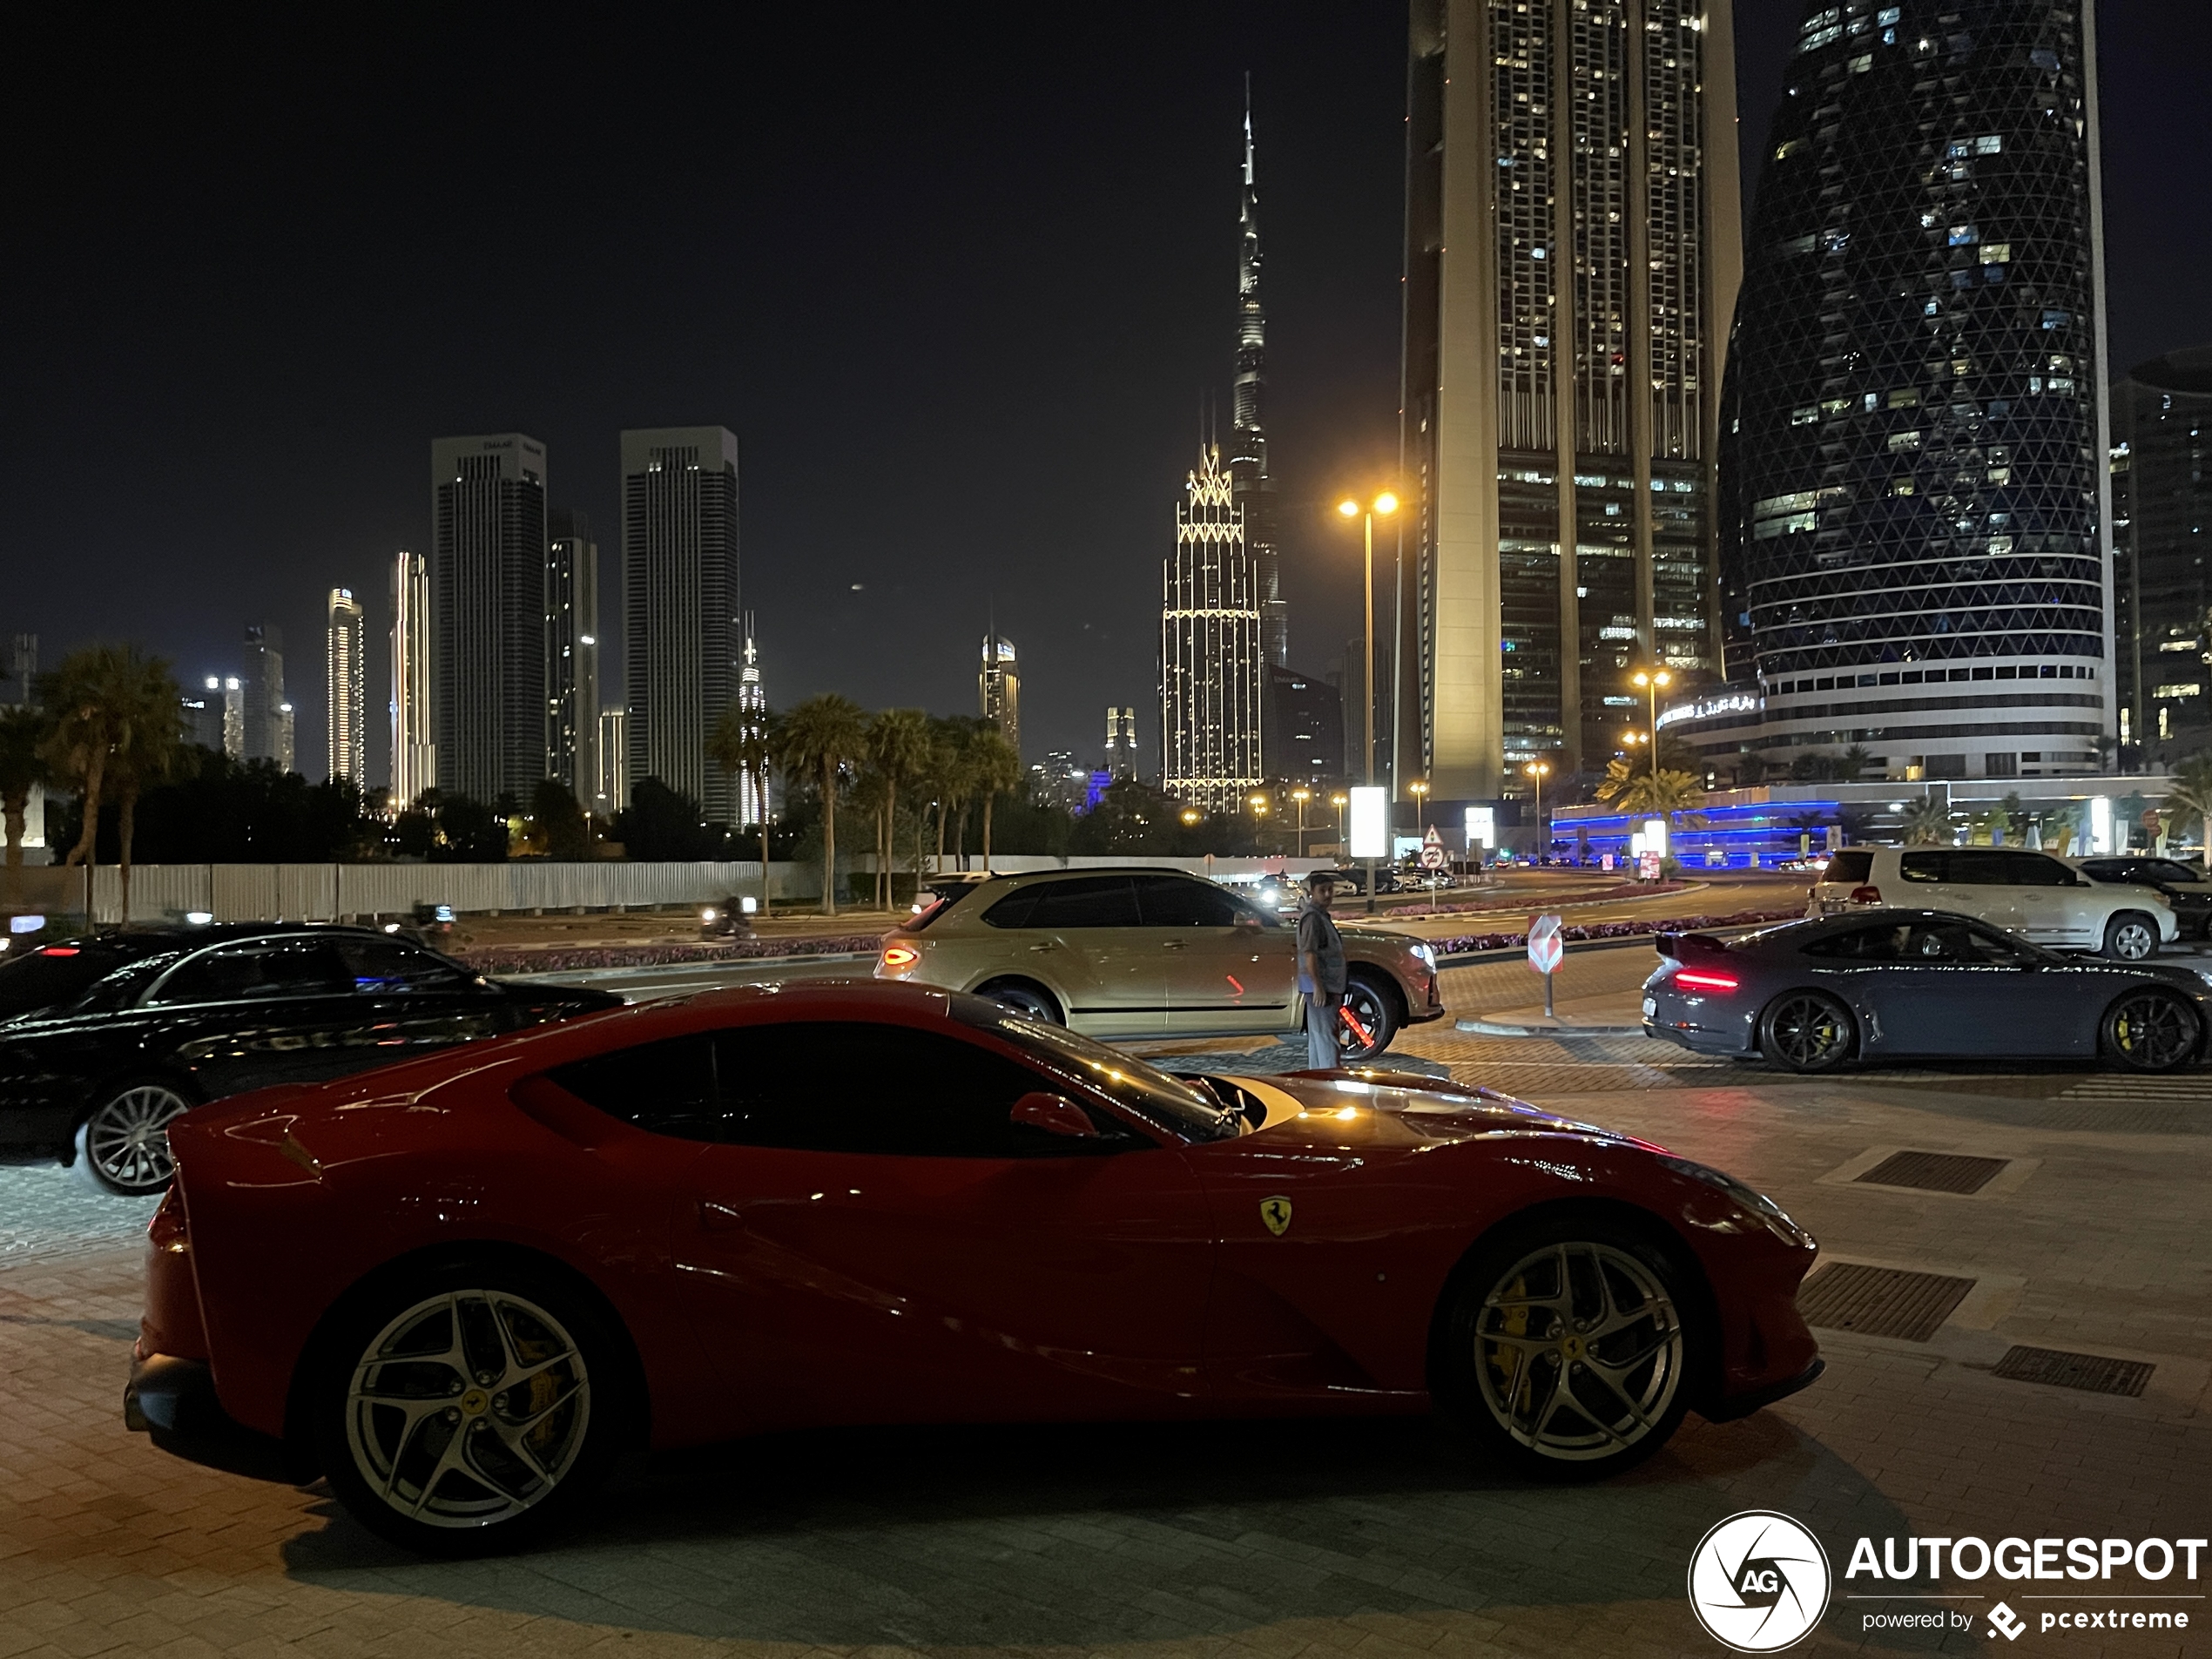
{"x":1301,"y":796}
{"x":1191,"y":815}
{"x":1386,"y":504}
{"x":1537,"y":770}
{"x":1339,"y":801}
{"x":1653,"y":678}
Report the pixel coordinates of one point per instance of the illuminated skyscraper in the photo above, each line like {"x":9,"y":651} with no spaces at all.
{"x":414,"y":757}
{"x":572,"y":652}
{"x":1571,"y":265}
{"x":1120,"y":743}
{"x":1211,"y":661}
{"x":753,"y":708}
{"x":612,"y":794}
{"x":488,"y":614}
{"x":2162,"y":518}
{"x":679,"y":584}
{"x":998,"y":687}
{"x":266,"y":718}
{"x":1249,"y":487}
{"x":346,"y":678}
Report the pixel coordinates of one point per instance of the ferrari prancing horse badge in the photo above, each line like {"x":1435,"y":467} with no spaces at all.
{"x":1276,"y":1212}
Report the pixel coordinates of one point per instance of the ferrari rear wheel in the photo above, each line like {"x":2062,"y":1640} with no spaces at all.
{"x":2150,"y":1031}
{"x":1806,"y":1031}
{"x":1567,"y":1349}
{"x":468,"y":1411}
{"x":123,"y":1145}
{"x":1367,"y":1022}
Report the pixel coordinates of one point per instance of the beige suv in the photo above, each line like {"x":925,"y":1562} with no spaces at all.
{"x":1127,"y":953}
{"x":2024,"y":892}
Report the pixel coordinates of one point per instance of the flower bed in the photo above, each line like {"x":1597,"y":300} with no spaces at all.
{"x":558,"y":959}
{"x":1595,"y":895}
{"x":1465,"y":944}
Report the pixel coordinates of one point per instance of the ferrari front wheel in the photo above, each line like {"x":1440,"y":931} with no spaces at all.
{"x":1566,"y":1349}
{"x":468,"y":1409}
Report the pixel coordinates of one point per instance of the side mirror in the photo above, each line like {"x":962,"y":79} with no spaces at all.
{"x":1054,"y":1115}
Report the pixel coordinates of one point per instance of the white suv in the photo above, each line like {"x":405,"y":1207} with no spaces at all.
{"x":2030,"y":893}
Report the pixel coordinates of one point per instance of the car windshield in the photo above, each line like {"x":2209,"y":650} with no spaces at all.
{"x":55,"y":976}
{"x":1169,"y":1101}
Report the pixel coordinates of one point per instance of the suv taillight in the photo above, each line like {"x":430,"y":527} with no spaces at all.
{"x":1866,"y":895}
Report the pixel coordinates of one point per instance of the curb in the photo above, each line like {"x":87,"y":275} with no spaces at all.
{"x":1492,"y":1028}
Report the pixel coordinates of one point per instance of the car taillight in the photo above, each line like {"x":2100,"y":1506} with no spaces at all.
{"x":900,"y":956}
{"x":1698,"y":980}
{"x":1866,"y":895}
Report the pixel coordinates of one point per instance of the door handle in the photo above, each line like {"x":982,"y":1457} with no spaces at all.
{"x":716,"y":1217}
{"x":1047,"y":944}
{"x":1172,"y":944}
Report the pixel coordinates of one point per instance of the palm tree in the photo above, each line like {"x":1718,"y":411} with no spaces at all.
{"x":822,"y":736}
{"x":948,"y":776}
{"x":148,"y":736}
{"x":899,"y":750}
{"x":2190,"y":792}
{"x":22,"y":768}
{"x":115,"y":723}
{"x":1659,"y":792}
{"x":1927,"y":823}
{"x":993,"y":766}
{"x":743,"y":745}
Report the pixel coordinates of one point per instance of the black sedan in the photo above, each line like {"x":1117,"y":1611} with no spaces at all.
{"x":105,"y":1038}
{"x":1875,"y":984}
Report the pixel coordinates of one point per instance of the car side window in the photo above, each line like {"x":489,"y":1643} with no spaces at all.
{"x":1181,"y":901}
{"x":387,"y":967}
{"x":2036,"y":870}
{"x":257,"y":970}
{"x":1854,"y":865}
{"x":1962,"y":943}
{"x":888,"y":1091}
{"x":1081,"y":901}
{"x":1874,"y":943}
{"x":666,"y":1088}
{"x":1970,"y":868}
{"x":1924,"y":866}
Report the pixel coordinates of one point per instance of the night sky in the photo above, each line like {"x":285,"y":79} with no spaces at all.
{"x":959,"y":279}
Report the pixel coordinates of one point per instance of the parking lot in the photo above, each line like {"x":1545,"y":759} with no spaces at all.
{"x":2083,"y":1236}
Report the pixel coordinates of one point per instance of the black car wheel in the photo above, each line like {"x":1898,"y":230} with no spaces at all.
{"x":2131,"y":937}
{"x":467,"y":1409}
{"x":1565,"y":1348}
{"x":2151,"y":1030}
{"x":1368,"y":1019}
{"x":123,"y":1145}
{"x":1019,"y":997}
{"x":1806,"y":1031}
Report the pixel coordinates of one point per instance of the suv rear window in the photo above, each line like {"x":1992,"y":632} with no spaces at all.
{"x":1081,"y":901}
{"x":1854,"y":865}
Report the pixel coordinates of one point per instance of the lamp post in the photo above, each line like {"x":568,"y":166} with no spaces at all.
{"x":1386,"y":504}
{"x":1418,"y":790}
{"x":1339,"y":801}
{"x":1257,"y":802}
{"x":1536,"y":769}
{"x":1301,"y":796}
{"x":1653,"y":679}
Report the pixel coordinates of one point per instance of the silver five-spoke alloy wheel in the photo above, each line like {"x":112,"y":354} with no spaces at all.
{"x":468,"y":1409}
{"x":123,"y":1146}
{"x":1579,"y":1352}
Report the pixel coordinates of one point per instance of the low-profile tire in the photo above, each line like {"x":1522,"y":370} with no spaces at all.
{"x":2151,"y":1030}
{"x":471,"y":1407}
{"x":1026,"y":998}
{"x":123,"y":1145}
{"x":1567,"y":1348}
{"x":1806,"y":1031}
{"x":1373,"y":1004}
{"x":2131,"y":936}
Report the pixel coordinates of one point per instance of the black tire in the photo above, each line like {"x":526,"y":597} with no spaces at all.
{"x":2151,"y":1030}
{"x":2131,"y":936}
{"x":1807,"y":1031}
{"x":538,"y":1407}
{"x":123,"y":1145}
{"x":1372,"y":1002}
{"x":1604,"y":1383}
{"x":1025,"y":997}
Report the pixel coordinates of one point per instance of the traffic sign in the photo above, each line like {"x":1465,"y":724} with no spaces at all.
{"x":1546,"y":948}
{"x":1433,"y":850}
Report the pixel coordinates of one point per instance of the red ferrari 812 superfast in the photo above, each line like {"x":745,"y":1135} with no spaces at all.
{"x":460,"y":1287}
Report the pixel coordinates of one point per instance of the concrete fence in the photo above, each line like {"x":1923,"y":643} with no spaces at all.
{"x":327,"y":892}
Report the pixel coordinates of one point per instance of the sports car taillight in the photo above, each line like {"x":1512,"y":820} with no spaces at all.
{"x":1866,"y":895}
{"x":1695,"y":979}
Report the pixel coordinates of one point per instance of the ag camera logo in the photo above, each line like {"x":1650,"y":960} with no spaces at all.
{"x":1759,"y":1581}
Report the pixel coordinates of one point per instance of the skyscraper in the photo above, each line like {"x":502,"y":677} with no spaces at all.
{"x":998,"y":687}
{"x":679,"y":586}
{"x":1249,"y":487}
{"x":1211,"y":661}
{"x":488,"y":614}
{"x":22,"y":668}
{"x":2162,"y":516}
{"x":346,"y":676}
{"x":267,"y":715}
{"x":1916,"y":471}
{"x":753,"y":708}
{"x":572,"y":652}
{"x":414,"y":757}
{"x":1120,"y":743}
{"x":1570,"y":268}
{"x":612,"y":794}
{"x":203,"y":711}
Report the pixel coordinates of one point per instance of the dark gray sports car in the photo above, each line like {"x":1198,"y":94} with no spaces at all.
{"x":1811,"y":995}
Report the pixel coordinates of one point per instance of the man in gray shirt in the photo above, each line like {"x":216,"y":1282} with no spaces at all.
{"x":1320,"y":970}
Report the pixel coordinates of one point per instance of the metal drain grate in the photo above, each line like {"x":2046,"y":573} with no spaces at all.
{"x":1880,"y":1301}
{"x":2091,"y":1372}
{"x":1934,"y":1172}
